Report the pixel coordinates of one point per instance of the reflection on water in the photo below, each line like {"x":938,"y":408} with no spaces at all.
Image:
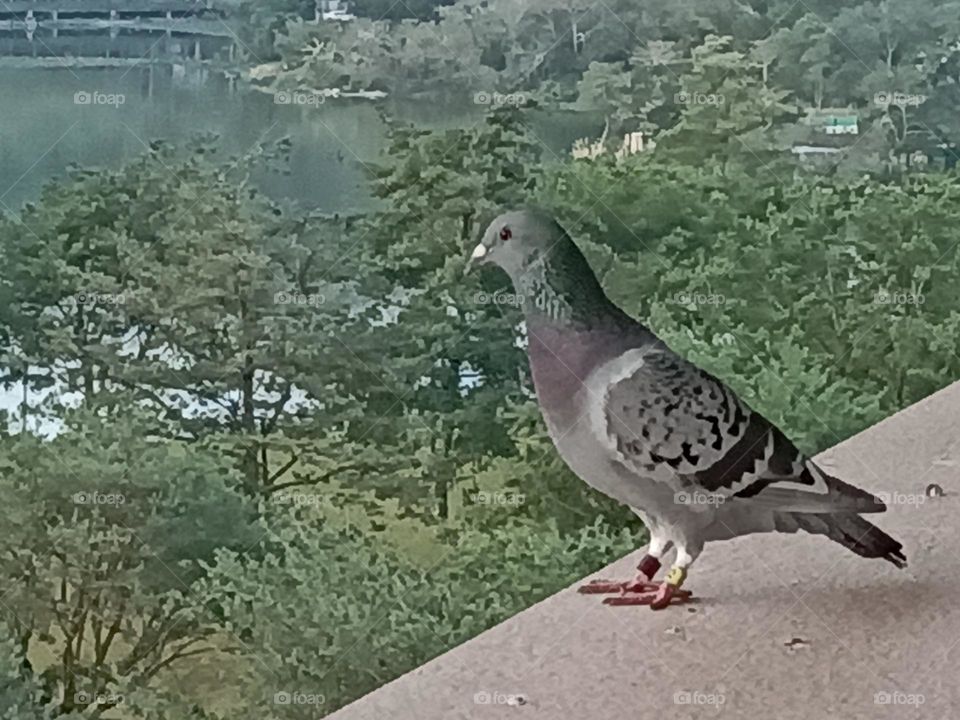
{"x":52,"y":118}
{"x":96,"y":97}
{"x":115,"y":42}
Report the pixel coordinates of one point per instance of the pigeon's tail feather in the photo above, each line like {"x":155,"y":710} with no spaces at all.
{"x":829,"y":503}
{"x":848,"y":529}
{"x":861,"y":500}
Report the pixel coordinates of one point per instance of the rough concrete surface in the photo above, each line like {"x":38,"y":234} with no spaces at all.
{"x":786,"y":626}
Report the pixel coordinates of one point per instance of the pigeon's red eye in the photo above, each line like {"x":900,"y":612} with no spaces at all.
{"x":505,"y":233}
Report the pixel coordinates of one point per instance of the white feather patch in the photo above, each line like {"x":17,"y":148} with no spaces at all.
{"x":598,"y":386}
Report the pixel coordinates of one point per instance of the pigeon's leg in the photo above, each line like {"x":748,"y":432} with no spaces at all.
{"x":646,"y":570}
{"x":670,"y":587}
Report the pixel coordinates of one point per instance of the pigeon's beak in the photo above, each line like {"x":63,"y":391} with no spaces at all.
{"x":476,"y":258}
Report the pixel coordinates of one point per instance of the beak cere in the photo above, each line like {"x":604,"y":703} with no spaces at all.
{"x":479,"y":252}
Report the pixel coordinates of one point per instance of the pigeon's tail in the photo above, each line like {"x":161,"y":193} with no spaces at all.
{"x":848,"y":529}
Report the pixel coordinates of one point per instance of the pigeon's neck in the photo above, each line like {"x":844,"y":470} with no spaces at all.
{"x":559,"y":288}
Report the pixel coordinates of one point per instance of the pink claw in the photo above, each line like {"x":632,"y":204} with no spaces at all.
{"x":665,"y":595}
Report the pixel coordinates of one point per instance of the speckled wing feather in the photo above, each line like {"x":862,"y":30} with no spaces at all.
{"x":669,"y":420}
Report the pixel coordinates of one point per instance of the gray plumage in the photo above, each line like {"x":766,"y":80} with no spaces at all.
{"x":647,"y":427}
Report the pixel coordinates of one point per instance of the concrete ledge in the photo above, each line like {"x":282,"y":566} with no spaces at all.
{"x":787,"y":626}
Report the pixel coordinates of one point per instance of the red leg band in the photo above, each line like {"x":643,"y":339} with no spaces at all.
{"x":649,"y":566}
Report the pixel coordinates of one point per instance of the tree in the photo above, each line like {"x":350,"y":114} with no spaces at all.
{"x":438,"y":388}
{"x":728,"y":111}
{"x":218,"y":311}
{"x":104,"y":531}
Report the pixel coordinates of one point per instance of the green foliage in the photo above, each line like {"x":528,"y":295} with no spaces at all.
{"x":104,"y":531}
{"x":335,"y":616}
{"x":441,"y":188}
{"x":703,"y":77}
{"x":174,"y":280}
{"x":20,"y":694}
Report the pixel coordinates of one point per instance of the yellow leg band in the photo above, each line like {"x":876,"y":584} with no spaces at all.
{"x":676,"y":576}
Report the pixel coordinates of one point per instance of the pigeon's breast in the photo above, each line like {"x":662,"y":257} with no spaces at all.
{"x":562,"y":363}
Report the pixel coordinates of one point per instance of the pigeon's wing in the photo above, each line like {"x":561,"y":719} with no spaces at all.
{"x":665,"y":418}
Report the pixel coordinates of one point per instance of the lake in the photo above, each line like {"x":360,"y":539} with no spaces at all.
{"x":52,"y":118}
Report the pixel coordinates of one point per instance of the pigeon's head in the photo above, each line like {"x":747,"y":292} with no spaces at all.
{"x":515,"y":240}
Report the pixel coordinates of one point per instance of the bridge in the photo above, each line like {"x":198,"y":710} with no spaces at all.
{"x":115,"y":9}
{"x":54,"y":33}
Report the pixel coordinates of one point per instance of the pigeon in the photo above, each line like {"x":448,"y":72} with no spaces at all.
{"x":652,"y":430}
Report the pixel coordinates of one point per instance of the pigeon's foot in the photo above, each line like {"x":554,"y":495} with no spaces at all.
{"x":640,"y":584}
{"x":664,"y":594}
{"x":657,"y":596}
{"x":670,"y":589}
{"x":606,"y":587}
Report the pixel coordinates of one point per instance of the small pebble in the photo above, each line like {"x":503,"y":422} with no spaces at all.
{"x":796,"y":643}
{"x":676,"y":630}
